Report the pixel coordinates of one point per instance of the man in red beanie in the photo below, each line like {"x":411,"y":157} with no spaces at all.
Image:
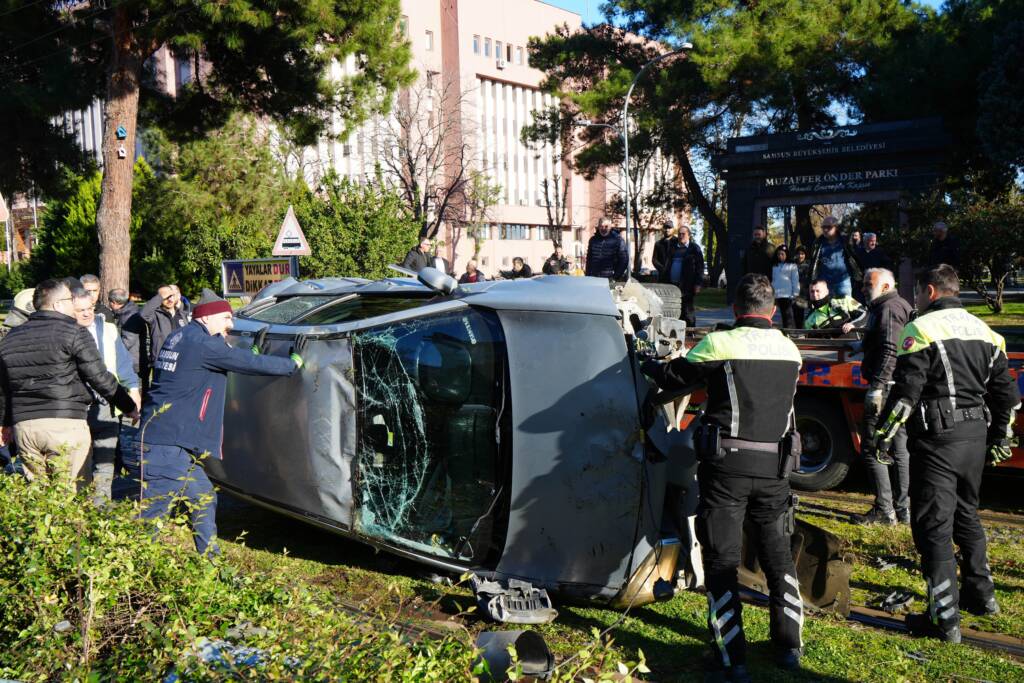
{"x":183,"y":414}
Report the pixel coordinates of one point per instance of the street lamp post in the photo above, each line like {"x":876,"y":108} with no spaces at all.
{"x":624,"y":133}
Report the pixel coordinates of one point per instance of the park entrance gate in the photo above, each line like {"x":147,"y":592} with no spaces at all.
{"x":876,"y":162}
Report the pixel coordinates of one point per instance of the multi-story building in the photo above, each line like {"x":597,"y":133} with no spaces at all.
{"x":472,"y":56}
{"x":474,"y":73}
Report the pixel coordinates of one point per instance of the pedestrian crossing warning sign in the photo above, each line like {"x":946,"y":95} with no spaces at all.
{"x":234,"y":282}
{"x":290,"y":240}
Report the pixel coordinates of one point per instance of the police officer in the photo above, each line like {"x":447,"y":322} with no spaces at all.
{"x":953,"y":390}
{"x":827,"y":312}
{"x":745,"y":448}
{"x":183,"y":414}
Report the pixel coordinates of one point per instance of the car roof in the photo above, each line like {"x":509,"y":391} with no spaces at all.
{"x":555,"y":293}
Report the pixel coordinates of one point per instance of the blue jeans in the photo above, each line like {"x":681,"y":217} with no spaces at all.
{"x":841,"y":287}
{"x":172,"y":474}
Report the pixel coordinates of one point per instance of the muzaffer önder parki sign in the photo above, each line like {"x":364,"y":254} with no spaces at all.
{"x":877,"y":162}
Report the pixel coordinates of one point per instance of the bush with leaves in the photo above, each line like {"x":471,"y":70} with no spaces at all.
{"x":354,"y":229}
{"x":91,"y":594}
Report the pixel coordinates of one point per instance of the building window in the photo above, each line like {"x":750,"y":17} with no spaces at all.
{"x":403,"y":25}
{"x":430,"y":41}
{"x":508,"y":53}
{"x":497,"y":49}
{"x":519,"y":55}
{"x":476,"y":45}
{"x":487,"y":47}
{"x":514,"y":231}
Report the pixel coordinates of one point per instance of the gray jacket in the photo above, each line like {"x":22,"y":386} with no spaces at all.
{"x":161,"y":323}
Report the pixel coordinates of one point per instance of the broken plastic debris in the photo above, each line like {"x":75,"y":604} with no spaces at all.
{"x":897,"y":601}
{"x":513,"y":601}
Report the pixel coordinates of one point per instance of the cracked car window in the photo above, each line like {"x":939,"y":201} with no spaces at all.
{"x":288,"y":309}
{"x":431,"y":400}
{"x":360,"y":308}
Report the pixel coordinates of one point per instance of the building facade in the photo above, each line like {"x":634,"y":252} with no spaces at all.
{"x":477,"y":89}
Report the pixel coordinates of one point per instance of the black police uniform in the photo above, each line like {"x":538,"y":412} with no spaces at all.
{"x":950,"y":367}
{"x":751,"y":373}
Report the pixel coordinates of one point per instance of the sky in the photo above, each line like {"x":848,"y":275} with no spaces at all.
{"x":590,"y":10}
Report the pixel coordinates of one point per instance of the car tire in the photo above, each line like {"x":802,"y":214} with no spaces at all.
{"x":827,"y":447}
{"x":671,"y":299}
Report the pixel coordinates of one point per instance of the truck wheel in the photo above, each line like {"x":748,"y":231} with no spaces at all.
{"x":671,"y":299}
{"x":827,"y":448}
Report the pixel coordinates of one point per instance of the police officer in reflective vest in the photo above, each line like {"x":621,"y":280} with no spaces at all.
{"x":955,"y":394}
{"x":183,"y":413}
{"x":746,"y":447}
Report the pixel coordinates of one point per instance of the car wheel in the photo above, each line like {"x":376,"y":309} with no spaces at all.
{"x":827,"y":448}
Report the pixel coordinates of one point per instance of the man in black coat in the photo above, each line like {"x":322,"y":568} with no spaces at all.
{"x":759,"y":256}
{"x":607,"y":256}
{"x":556,"y":264}
{"x":45,"y":366}
{"x":662,"y":248}
{"x":873,"y":256}
{"x":130,"y":325}
{"x":888,"y":312}
{"x":685,"y":269}
{"x":418,"y":257}
{"x":164,"y":314}
{"x":945,"y":247}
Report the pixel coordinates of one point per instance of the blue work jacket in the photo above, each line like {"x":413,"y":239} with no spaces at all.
{"x":191,"y":375}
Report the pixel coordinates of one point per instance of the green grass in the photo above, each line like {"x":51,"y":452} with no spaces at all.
{"x":1012,"y":314}
{"x":710,"y":297}
{"x":671,"y":634}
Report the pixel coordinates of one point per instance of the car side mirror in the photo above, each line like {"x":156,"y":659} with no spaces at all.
{"x":437,"y":281}
{"x":444,"y":369}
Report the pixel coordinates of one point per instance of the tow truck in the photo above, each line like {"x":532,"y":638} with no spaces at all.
{"x":829,"y":406}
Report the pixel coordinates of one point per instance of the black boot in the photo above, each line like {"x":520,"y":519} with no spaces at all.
{"x":920,"y":625}
{"x":980,"y":608}
{"x":789,"y":659}
{"x":875,"y":516}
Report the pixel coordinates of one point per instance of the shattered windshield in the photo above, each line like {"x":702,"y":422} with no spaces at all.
{"x":431,"y":402}
{"x":360,"y":308}
{"x":288,"y":309}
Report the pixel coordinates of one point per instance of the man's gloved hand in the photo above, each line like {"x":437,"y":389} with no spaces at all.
{"x":899,"y":414}
{"x":259,"y":341}
{"x":654,"y":370}
{"x":296,"y":352}
{"x":998,"y":452}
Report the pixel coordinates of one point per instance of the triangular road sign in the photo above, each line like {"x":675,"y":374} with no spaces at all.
{"x":234,"y":284}
{"x":290,"y":240}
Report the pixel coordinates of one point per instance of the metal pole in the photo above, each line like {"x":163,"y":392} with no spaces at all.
{"x":625,"y":139}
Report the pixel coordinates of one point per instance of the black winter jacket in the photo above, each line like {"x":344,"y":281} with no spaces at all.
{"x":607,"y":256}
{"x":416,"y":260}
{"x":161,"y":323}
{"x":133,"y":332}
{"x":45,"y":365}
{"x":692,"y":275}
{"x":759,"y":258}
{"x":751,"y":373}
{"x":659,"y":258}
{"x":853,"y":268}
{"x":947,"y":251}
{"x":886,"y":317}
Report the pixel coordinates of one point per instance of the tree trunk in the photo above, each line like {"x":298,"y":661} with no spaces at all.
{"x":696,"y":196}
{"x":803,"y":226}
{"x":114,"y":213}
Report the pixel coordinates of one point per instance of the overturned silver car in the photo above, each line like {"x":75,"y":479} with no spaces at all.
{"x":499,"y":427}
